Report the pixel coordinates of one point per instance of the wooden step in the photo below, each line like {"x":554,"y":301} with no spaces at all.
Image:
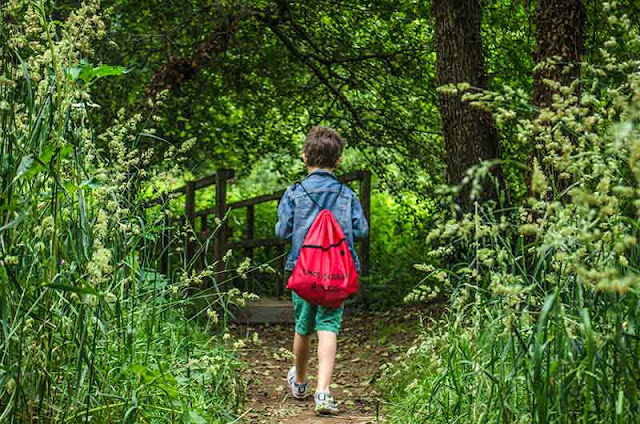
{"x":265,"y":311}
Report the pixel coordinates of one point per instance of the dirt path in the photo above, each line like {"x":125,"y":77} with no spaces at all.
{"x":367,"y":341}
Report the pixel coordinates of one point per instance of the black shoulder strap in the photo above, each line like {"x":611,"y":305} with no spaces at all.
{"x":308,"y":195}
{"x":314,"y":200}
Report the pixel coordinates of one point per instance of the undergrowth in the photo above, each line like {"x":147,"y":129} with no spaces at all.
{"x":89,"y":331}
{"x":543,"y":324}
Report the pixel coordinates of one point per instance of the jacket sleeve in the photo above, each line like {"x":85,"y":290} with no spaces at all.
{"x":359,"y":221}
{"x":284,"y":226}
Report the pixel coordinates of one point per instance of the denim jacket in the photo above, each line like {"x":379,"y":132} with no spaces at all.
{"x":296,"y":212}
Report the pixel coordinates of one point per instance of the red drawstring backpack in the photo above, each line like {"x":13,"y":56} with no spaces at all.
{"x":325,"y":274}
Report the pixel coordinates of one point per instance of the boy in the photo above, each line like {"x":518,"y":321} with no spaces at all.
{"x":296,"y":212}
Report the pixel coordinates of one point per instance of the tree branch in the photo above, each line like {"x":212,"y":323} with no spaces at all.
{"x":308,"y":62}
{"x":176,"y":70}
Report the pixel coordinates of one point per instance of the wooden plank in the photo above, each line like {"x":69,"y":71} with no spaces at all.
{"x":265,"y":311}
{"x":160,"y":200}
{"x":250,"y":233}
{"x":204,"y":225}
{"x":273,"y":241}
{"x":350,"y":176}
{"x":221,"y":210}
{"x":279,"y":283}
{"x":256,"y":200}
{"x":200,"y":183}
{"x":204,"y":228}
{"x":205,"y":212}
{"x":270,"y":311}
{"x":206,"y":181}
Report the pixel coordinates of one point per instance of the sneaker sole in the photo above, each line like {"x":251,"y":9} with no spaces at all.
{"x":326,"y":412}
{"x":293,"y":393}
{"x":299,"y":397}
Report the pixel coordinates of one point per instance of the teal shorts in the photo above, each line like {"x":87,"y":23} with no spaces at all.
{"x":311,"y":318}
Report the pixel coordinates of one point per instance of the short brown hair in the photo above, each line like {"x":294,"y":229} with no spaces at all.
{"x":323,"y":147}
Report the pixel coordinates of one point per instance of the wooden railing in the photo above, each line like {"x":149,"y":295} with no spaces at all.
{"x":250,"y":242}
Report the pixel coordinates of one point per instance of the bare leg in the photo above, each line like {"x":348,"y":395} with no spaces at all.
{"x":327,"y":345}
{"x":301,"y":352}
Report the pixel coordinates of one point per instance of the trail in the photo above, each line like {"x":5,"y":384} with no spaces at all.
{"x":367,"y":340}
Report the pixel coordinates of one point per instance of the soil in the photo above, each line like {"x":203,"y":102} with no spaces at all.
{"x":367,"y":341}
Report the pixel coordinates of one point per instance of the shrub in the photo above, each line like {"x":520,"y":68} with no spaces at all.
{"x":89,"y":330}
{"x":543,"y":321}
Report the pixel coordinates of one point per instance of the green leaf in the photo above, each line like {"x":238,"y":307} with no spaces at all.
{"x":14,"y":222}
{"x":73,"y":289}
{"x":193,"y":417}
{"x":91,"y":183}
{"x":89,"y":73}
{"x":27,"y":79}
{"x":620,"y":402}
{"x":70,"y":187}
{"x":46,"y":154}
{"x":4,"y":163}
{"x":140,"y":369}
{"x":30,"y":167}
{"x":74,"y":72}
{"x":25,"y":165}
{"x":65,"y":152}
{"x":546,"y":309}
{"x":588,"y":329}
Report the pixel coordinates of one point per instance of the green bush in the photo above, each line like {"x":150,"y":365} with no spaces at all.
{"x":398,"y":239}
{"x":89,"y":332}
{"x":543,"y":321}
{"x":399,"y":228}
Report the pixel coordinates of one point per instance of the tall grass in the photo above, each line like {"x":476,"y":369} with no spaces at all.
{"x":89,"y":330}
{"x":544,"y":314}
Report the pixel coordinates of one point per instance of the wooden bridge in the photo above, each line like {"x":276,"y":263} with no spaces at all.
{"x":211,"y":224}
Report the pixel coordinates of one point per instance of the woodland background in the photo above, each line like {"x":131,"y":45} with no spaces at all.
{"x":504,"y":140}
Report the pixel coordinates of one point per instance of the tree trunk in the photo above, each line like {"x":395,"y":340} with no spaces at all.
{"x":560,"y":34}
{"x":470,"y":134}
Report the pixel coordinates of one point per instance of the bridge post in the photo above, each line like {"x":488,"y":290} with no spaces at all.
{"x":365,"y":200}
{"x":204,"y":227}
{"x":280,"y":284}
{"x":222,"y":175}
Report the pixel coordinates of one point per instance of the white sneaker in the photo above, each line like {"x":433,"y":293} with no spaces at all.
{"x":298,"y":390}
{"x":325,"y":404}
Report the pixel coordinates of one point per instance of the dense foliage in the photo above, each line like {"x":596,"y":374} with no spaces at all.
{"x":280,"y":69}
{"x":543,"y":322}
{"x":90,"y":331}
{"x":272,"y":68}
{"x":105,"y":104}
